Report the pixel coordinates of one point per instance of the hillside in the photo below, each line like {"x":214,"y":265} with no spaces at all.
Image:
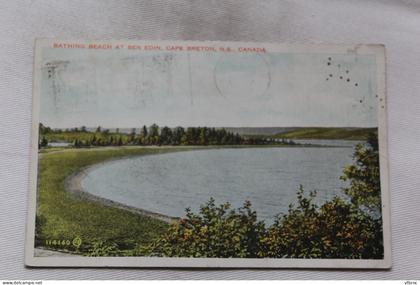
{"x":259,"y":131}
{"x":327,"y":133}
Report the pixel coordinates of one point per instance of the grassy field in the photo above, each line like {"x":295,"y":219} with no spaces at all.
{"x":61,"y":217}
{"x":84,"y":136}
{"x":328,"y":133}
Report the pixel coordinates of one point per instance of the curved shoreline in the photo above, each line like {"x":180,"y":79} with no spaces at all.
{"x":73,"y":185}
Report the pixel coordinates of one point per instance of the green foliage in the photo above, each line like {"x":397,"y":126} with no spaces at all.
{"x":43,"y":142}
{"x":101,"y":248}
{"x":154,"y":135}
{"x":217,"y":231}
{"x":365,"y":188}
{"x":39,"y":224}
{"x":43,"y":129}
{"x":337,"y":229}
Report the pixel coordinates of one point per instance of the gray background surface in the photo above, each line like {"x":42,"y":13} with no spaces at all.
{"x":393,"y":23}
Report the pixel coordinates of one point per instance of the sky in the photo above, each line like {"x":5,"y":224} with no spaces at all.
{"x":125,"y":89}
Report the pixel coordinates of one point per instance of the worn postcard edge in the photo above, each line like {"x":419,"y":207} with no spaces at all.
{"x":375,"y":49}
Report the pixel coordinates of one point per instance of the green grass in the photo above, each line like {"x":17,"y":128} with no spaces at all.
{"x":83,"y":136}
{"x":52,"y":149}
{"x":328,"y":133}
{"x":62,"y":217}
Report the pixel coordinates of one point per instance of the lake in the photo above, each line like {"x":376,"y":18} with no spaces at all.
{"x":268,"y":177}
{"x":59,"y":144}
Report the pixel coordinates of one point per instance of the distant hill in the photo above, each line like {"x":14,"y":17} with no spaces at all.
{"x":327,"y":133}
{"x":257,"y":131}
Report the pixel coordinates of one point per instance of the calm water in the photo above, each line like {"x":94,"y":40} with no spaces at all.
{"x":268,"y":177}
{"x":343,"y":143}
{"x":59,"y":144}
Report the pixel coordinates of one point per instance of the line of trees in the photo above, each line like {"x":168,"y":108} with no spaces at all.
{"x":189,"y":136}
{"x":153,"y":135}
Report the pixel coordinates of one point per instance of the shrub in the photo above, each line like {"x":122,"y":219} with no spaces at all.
{"x":217,"y":231}
{"x":101,"y":248}
{"x":337,"y":229}
{"x":364,"y":176}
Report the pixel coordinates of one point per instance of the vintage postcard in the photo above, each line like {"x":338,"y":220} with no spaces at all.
{"x":208,"y":154}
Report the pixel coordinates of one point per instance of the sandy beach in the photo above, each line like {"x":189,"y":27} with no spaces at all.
{"x":73,"y":184}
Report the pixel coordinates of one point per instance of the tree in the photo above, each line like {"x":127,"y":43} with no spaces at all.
{"x":132,"y":135}
{"x":177,"y":135}
{"x":337,"y":229}
{"x":166,"y":136}
{"x":44,"y":129}
{"x":184,"y":139}
{"x":190,"y":134}
{"x":203,"y":136}
{"x":98,"y":129}
{"x":154,"y":134}
{"x":144,"y":131}
{"x":364,"y":176}
{"x":143,"y":138}
{"x":154,"y":130}
{"x":43,"y":143}
{"x":77,"y":143}
{"x":93,"y":140}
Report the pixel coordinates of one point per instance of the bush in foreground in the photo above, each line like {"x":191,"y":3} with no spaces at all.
{"x":217,"y":231}
{"x":337,"y":229}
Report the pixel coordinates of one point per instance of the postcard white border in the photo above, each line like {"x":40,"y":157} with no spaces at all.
{"x":375,"y":49}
